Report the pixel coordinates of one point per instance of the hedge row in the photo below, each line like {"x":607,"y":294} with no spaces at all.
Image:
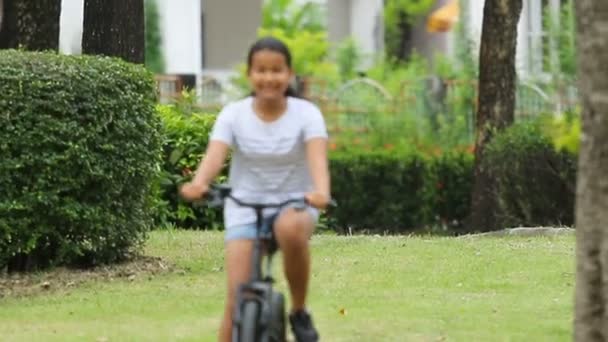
{"x":391,"y":191}
{"x":376,"y":190}
{"x":382,"y":191}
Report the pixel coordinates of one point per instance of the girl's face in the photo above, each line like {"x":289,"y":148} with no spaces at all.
{"x":269,"y":74}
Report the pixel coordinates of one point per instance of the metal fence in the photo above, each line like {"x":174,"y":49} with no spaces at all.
{"x":355,"y":104}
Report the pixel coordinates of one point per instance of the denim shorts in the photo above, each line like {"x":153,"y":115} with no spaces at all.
{"x":249,"y":231}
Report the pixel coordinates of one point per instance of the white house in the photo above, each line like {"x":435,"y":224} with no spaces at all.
{"x":207,"y":38}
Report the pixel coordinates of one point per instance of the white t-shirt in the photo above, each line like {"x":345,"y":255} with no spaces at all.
{"x":269,"y":162}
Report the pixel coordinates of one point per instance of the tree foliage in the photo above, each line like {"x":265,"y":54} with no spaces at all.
{"x":154,"y":54}
{"x":399,"y":18}
{"x":291,"y":17}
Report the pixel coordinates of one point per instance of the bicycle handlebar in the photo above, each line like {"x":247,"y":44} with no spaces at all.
{"x":218,"y":193}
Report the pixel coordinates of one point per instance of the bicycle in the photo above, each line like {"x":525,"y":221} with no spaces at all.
{"x":259,"y":314}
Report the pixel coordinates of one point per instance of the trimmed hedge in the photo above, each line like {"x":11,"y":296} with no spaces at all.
{"x":535,"y":181}
{"x":451,"y":174}
{"x":400,"y":192}
{"x":80,"y":144}
{"x":379,"y":191}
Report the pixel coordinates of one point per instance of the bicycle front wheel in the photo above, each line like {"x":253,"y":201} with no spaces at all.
{"x":277,"y":317}
{"x":249,"y":324}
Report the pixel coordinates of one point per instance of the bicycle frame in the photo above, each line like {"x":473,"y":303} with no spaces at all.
{"x":259,"y":286}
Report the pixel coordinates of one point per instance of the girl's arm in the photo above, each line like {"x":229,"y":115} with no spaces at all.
{"x":316,"y":154}
{"x":208,"y":169}
{"x":212,"y":163}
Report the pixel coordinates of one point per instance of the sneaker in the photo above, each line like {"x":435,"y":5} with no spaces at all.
{"x":302,"y":327}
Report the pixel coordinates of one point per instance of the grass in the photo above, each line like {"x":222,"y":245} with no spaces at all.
{"x":364,"y":288}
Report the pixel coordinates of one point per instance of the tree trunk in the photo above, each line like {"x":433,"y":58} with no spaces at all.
{"x":591,"y":294}
{"x":1,"y":13}
{"x":31,"y":25}
{"x":405,"y":37}
{"x":398,"y":40}
{"x":114,"y":28}
{"x":497,"y":82}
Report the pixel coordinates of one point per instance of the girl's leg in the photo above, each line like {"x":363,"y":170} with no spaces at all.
{"x":293,"y":230}
{"x":238,"y":268}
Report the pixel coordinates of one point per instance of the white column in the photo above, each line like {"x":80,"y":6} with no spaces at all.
{"x":70,"y":26}
{"x":522,"y":55}
{"x":197,"y":45}
{"x":180,"y":26}
{"x":364,"y":17}
{"x":475,"y":12}
{"x":535,"y":30}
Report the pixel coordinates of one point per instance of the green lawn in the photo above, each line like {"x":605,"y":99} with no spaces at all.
{"x":364,"y":288}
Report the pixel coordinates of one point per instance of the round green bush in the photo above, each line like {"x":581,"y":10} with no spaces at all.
{"x":535,"y":181}
{"x":80,"y":145}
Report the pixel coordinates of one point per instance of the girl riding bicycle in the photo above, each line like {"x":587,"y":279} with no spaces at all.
{"x":279,"y":145}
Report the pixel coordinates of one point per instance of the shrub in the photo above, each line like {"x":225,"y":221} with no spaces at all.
{"x":564,"y":130}
{"x":451,"y":180}
{"x":401,"y":191}
{"x":186,"y":136}
{"x":80,"y":145}
{"x":379,"y":191}
{"x":535,"y":182}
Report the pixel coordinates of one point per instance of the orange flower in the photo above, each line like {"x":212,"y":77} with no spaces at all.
{"x":333,"y":146}
{"x":389,"y":146}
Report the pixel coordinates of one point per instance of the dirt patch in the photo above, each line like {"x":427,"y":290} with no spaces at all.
{"x":29,"y":284}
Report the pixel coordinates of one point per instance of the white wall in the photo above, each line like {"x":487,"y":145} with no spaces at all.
{"x":230,"y":28}
{"x":338,"y":20}
{"x":360,"y":19}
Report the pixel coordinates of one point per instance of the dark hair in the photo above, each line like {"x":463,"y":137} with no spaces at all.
{"x":276,"y":45}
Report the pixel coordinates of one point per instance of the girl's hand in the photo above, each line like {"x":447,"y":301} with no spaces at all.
{"x":192,"y":191}
{"x":318,"y":200}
